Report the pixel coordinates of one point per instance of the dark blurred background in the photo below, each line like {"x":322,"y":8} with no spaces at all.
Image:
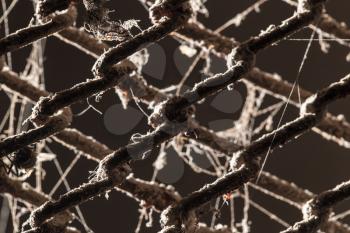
{"x":309,"y":161}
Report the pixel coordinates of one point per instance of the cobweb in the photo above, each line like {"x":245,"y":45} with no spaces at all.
{"x":258,"y":115}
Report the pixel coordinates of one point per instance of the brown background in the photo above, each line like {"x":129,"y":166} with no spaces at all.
{"x":309,"y":161}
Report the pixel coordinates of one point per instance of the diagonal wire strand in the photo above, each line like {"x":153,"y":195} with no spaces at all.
{"x":296,"y":83}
